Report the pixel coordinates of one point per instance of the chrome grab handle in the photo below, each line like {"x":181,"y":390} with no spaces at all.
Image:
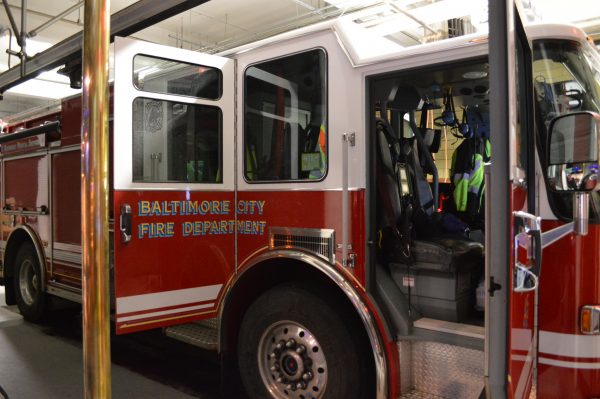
{"x":529,"y":238}
{"x":525,"y":279}
{"x":125,"y":223}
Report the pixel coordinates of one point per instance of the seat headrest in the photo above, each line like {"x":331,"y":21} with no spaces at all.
{"x":403,"y":98}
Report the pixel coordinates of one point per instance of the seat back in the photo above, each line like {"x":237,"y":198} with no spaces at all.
{"x":389,"y":191}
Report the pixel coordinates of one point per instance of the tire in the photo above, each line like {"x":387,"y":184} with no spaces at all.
{"x":294,"y":343}
{"x":31,"y":300}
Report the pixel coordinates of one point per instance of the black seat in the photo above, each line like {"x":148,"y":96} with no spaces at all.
{"x":438,"y":274}
{"x":444,"y":253}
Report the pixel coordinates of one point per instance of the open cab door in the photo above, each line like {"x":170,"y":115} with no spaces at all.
{"x":173,"y":144}
{"x":513,"y":247}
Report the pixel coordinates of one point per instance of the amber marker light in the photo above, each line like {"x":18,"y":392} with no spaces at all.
{"x":590,"y":319}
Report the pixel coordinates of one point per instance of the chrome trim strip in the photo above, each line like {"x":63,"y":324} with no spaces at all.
{"x":59,"y":150}
{"x":42,"y":152}
{"x":381,"y":379}
{"x":38,"y":249}
{"x":25,"y":213}
{"x":66,"y":256}
{"x":67,"y":247}
{"x":69,"y":293}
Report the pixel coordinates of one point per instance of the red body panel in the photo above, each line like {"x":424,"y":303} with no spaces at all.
{"x":521,"y":316}
{"x":18,"y":195}
{"x":162,"y":256}
{"x":570,"y":279}
{"x":307,"y":209}
{"x":179,"y":251}
{"x":66,"y":197}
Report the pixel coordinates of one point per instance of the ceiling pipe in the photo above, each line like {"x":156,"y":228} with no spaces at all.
{"x":411,"y":16}
{"x":21,"y":35}
{"x":13,"y":24}
{"x":307,"y":6}
{"x":54,"y":19}
{"x":138,"y":16}
{"x":23,"y":52}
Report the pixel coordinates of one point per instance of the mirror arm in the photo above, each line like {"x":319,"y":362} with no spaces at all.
{"x":579,"y":225}
{"x":551,"y":236}
{"x":581,"y":212}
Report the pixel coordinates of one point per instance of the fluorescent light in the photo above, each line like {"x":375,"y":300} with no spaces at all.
{"x":47,"y":85}
{"x":43,"y":89}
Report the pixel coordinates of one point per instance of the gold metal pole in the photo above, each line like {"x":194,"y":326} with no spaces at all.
{"x":94,"y":200}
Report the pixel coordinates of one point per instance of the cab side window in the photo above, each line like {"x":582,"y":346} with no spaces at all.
{"x":285,"y":118}
{"x":176,"y":141}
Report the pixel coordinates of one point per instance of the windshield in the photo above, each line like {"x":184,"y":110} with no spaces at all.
{"x":566,"y":77}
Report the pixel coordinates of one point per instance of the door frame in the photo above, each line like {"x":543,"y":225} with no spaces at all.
{"x":505,"y":176}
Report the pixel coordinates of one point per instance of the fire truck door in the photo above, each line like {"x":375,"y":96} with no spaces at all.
{"x":513,"y":247}
{"x":173,"y":184}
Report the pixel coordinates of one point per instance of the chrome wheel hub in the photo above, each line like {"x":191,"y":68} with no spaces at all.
{"x":28,"y":282}
{"x":291,"y":362}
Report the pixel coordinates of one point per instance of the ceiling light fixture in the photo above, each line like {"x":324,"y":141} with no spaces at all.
{"x":475,"y":75}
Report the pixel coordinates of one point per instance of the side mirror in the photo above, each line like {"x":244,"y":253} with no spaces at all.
{"x":573,"y":152}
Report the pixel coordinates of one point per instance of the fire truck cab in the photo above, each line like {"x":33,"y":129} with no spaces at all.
{"x":334,"y":214}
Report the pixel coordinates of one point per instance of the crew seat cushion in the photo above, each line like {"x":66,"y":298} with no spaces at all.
{"x":446,"y":255}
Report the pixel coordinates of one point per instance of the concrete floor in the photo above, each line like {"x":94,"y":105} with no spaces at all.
{"x":45,"y":361}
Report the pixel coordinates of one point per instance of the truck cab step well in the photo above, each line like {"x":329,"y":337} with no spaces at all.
{"x":202,"y":334}
{"x":436,"y":370}
{"x":445,"y":332}
{"x":465,"y":330}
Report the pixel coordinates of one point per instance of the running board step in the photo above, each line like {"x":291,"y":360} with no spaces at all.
{"x":445,"y":332}
{"x":201,"y":333}
{"x":419,"y":395}
{"x":435,"y":370}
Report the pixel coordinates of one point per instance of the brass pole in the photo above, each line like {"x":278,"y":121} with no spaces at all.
{"x":94,"y":200}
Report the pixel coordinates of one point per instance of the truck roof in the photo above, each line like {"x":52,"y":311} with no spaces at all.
{"x":361,"y":47}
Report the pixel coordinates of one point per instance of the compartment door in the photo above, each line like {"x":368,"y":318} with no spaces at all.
{"x":513,"y":250}
{"x":173,"y":145}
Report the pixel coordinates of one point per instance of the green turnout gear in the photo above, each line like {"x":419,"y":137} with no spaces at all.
{"x":468,"y":176}
{"x":318,"y":173}
{"x":250,"y":163}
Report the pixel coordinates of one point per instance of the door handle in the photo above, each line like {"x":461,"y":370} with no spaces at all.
{"x":125,"y":223}
{"x":524,"y":279}
{"x":529,"y":239}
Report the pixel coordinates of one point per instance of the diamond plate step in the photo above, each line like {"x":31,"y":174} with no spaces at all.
{"x":419,"y":395}
{"x":437,"y":370}
{"x":202,"y":333}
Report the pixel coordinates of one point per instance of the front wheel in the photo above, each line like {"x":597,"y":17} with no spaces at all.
{"x":31,"y":300}
{"x":294,"y":344}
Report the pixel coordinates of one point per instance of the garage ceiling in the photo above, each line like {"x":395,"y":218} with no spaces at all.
{"x":221,"y":24}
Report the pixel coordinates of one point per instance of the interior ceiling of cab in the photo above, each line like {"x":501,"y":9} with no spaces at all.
{"x":468,"y":84}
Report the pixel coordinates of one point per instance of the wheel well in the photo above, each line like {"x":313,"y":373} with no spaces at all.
{"x":259,"y":279}
{"x":17,"y":238}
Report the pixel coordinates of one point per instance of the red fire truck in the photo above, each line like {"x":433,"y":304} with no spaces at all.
{"x":298,"y":205}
